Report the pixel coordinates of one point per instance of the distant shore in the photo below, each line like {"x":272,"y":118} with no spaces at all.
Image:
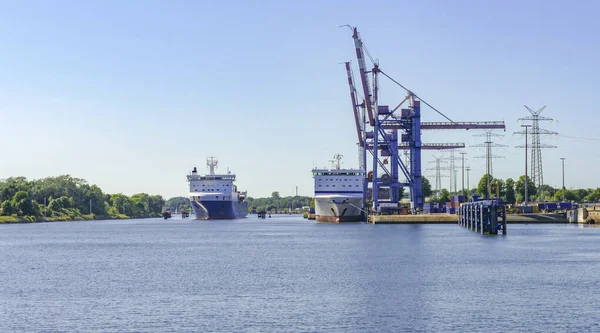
{"x":31,"y":219}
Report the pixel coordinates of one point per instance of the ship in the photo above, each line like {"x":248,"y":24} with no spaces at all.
{"x":215,"y":196}
{"x":339,"y":193}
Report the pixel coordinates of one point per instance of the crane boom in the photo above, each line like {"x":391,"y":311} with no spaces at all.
{"x":360,"y":56}
{"x":354,"y":103}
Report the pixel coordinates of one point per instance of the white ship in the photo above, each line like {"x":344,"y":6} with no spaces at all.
{"x":215,"y":196}
{"x":339,"y":193}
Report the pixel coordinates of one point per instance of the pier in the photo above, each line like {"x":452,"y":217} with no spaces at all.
{"x":487,"y":217}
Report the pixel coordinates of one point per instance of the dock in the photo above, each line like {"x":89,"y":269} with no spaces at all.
{"x":414,"y":219}
{"x":535,"y":218}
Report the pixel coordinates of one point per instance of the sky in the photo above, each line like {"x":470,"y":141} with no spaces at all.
{"x":131,"y":95}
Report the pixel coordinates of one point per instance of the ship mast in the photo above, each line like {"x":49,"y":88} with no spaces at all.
{"x":212,"y":162}
{"x":336,"y":159}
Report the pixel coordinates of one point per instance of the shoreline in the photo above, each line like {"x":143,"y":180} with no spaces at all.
{"x":27,"y":219}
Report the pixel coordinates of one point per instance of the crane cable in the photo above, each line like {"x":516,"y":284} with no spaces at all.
{"x":422,"y":100}
{"x":396,"y":82}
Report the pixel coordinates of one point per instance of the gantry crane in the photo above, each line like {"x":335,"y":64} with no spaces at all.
{"x":381,"y":139}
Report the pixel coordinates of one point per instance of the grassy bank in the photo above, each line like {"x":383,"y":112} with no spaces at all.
{"x":64,"y":218}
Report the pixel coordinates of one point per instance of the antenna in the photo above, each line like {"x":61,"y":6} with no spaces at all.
{"x":337,"y":159}
{"x":212,"y":163}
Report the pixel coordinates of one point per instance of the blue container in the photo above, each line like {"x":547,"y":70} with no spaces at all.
{"x":475,"y":198}
{"x":548,"y":206}
{"x":450,"y":210}
{"x":427,"y":207}
{"x":566,"y":205}
{"x":459,"y":198}
{"x":527,"y":209}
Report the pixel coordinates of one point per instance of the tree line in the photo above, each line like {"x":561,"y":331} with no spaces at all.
{"x":178,"y":204}
{"x":278,"y":203}
{"x":69,"y":198}
{"x":511,"y":191}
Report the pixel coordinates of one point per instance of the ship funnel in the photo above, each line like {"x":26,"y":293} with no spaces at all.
{"x":194,"y":171}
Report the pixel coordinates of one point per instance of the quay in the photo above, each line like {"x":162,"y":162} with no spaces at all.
{"x":443,"y":218}
{"x":413,"y":219}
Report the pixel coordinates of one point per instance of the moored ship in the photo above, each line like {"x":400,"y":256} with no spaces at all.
{"x":339,"y":194}
{"x":215,"y":196}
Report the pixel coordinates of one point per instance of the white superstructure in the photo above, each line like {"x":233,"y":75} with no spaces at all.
{"x":215,"y":196}
{"x":338,"y":193}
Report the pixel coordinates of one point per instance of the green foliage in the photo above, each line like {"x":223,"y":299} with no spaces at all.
{"x":509,"y":187}
{"x":426,"y":187}
{"x":6,"y":208}
{"x":22,"y":204}
{"x":501,"y":187}
{"x":179,"y":204}
{"x":520,"y":187}
{"x":444,"y":195}
{"x":58,"y":204}
{"x":593,"y":197}
{"x":69,"y":198}
{"x":275,"y":202}
{"x":482,"y":188}
{"x":312,"y":203}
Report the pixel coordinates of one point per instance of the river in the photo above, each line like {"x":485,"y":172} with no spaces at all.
{"x":287,"y":274}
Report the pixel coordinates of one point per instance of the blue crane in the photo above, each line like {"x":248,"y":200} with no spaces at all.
{"x":382,"y":139}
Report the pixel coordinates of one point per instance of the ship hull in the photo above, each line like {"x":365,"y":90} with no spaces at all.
{"x":338,"y":209}
{"x":219,"y":210}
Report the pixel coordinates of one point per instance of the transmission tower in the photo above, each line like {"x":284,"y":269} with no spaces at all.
{"x":537,"y":174}
{"x":453,"y":171}
{"x":489,"y":157}
{"x":438,"y":173}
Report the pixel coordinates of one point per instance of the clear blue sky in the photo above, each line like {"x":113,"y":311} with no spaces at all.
{"x":130,"y":95}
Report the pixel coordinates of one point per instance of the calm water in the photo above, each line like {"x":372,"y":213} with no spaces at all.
{"x":287,"y":274}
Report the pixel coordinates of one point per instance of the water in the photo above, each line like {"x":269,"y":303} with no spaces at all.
{"x":287,"y":274}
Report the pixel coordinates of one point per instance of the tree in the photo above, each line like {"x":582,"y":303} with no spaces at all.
{"x":593,"y":197}
{"x":275,"y":195}
{"x":140,"y":202}
{"x":444,"y":195}
{"x":571,"y":195}
{"x":509,"y":186}
{"x":156,"y":203}
{"x":545,"y":192}
{"x":426,"y":187}
{"x":520,"y":187}
{"x":500,"y":191}
{"x":120,"y":202}
{"x":22,"y":203}
{"x":97,"y":197}
{"x":312,"y":203}
{"x":6,"y":208}
{"x":482,"y":188}
{"x":59,"y":204}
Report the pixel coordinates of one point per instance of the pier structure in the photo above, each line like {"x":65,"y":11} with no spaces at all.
{"x":382,"y":131}
{"x":487,"y":217}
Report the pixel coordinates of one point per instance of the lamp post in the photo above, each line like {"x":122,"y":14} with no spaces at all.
{"x":526,"y":182}
{"x":563,"y":178}
{"x":468,"y":187}
{"x":462,"y":153}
